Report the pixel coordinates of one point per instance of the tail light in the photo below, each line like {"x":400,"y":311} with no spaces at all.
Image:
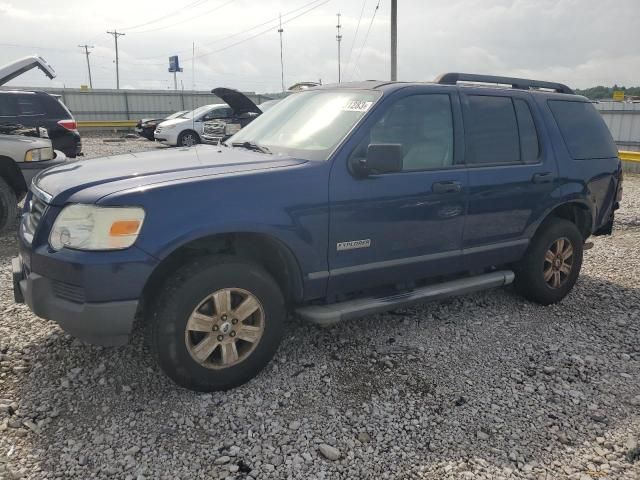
{"x":68,"y":124}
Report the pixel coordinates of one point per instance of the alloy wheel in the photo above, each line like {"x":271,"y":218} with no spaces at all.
{"x":225,"y":328}
{"x":558,"y":262}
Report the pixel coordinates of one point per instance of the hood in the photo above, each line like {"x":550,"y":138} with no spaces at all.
{"x":138,"y":170}
{"x":14,"y":69}
{"x":174,"y":121}
{"x":236,"y":100}
{"x":147,"y":120}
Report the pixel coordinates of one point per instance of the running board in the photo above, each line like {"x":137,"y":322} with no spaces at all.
{"x":326,"y":315}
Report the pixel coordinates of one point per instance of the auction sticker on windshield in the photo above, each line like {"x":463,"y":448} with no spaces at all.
{"x":357,"y":106}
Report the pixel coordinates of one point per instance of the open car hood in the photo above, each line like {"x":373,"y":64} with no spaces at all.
{"x":236,"y":100}
{"x":16,"y":68}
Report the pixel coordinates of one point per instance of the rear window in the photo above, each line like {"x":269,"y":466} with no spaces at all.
{"x":584,"y":132}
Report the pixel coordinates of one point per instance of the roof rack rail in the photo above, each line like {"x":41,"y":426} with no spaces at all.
{"x":519,"y":83}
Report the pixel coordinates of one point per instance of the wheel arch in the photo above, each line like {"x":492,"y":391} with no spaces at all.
{"x":188,"y":130}
{"x":11,"y":173}
{"x":577,"y":212}
{"x":263,"y":249}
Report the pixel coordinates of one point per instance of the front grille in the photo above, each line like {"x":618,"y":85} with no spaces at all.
{"x":67,"y":291}
{"x":34,"y":212}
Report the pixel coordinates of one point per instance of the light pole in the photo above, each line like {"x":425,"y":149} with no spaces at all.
{"x":394,"y":40}
{"x":280,"y":31}
{"x":339,"y":39}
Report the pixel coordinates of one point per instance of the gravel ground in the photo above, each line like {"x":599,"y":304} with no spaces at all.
{"x":482,"y":386}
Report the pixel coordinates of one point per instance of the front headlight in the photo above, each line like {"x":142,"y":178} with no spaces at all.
{"x":39,"y":154}
{"x":89,"y":227}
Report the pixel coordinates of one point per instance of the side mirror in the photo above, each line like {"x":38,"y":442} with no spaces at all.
{"x":381,"y":158}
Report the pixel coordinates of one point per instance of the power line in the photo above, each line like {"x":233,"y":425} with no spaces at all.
{"x":190,"y":5}
{"x":366,"y":37}
{"x":233,"y":35}
{"x":180,"y":22}
{"x":261,"y":32}
{"x":87,"y":52}
{"x":355,"y":36}
{"x":116,"y":34}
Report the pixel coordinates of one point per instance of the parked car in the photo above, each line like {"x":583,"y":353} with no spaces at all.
{"x":338,"y":202}
{"x":39,"y":109}
{"x":244,"y":112}
{"x":21,"y":158}
{"x":147,"y":126}
{"x":186,"y":131}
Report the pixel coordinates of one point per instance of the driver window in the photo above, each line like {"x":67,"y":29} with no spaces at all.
{"x":423,"y":125}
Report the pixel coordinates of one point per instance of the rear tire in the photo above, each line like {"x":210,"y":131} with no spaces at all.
{"x":8,"y":206}
{"x":188,"y":138}
{"x":216,"y":323}
{"x":552,"y":263}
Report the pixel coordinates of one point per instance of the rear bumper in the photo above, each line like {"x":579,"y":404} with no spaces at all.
{"x":104,"y":323}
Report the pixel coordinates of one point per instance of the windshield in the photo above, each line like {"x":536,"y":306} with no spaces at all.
{"x":198,"y":111}
{"x":309,"y":124}
{"x":176,"y":115}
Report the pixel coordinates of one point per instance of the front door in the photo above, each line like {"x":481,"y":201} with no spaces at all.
{"x":393,"y":228}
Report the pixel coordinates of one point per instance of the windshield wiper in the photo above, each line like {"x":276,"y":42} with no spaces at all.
{"x":251,"y":146}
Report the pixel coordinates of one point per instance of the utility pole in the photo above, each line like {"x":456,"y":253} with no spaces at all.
{"x":394,"y":40}
{"x":339,"y":39}
{"x":115,"y":37}
{"x":87,"y":52}
{"x":280,"y":30}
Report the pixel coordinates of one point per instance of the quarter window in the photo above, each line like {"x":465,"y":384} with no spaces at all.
{"x":583,"y":129}
{"x":423,"y":125}
{"x":29,"y":105}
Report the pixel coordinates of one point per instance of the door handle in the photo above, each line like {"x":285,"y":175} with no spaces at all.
{"x":446,"y":187}
{"x":546,"y":177}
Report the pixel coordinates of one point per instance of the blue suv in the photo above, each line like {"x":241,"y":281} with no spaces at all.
{"x":340,"y":201}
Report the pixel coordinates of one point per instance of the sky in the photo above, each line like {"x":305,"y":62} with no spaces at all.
{"x":581,"y":43}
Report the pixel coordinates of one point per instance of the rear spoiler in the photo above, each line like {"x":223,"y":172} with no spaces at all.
{"x":16,"y":68}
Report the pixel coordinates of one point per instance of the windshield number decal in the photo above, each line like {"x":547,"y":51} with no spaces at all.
{"x":357,"y":106}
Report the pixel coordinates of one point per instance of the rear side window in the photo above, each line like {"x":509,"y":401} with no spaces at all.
{"x":491,"y":130}
{"x":29,"y":105}
{"x":8,"y":107}
{"x":584,"y":132}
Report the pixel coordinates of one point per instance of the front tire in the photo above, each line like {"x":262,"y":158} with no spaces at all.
{"x":552,"y":263}
{"x":8,"y":206}
{"x":217,"y":323}
{"x":188,"y":138}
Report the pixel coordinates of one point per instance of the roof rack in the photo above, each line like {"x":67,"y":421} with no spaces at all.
{"x":519,"y":83}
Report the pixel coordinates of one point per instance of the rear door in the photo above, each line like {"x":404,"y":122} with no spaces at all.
{"x":512,"y":173}
{"x":398,"y":227}
{"x":31,"y":111}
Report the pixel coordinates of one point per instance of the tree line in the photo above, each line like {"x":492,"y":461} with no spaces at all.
{"x":600,"y":92}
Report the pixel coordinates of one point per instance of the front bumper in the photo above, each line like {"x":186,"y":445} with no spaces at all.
{"x":103,"y":323}
{"x":169,"y":137}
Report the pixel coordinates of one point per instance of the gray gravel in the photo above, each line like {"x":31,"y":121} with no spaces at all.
{"x":482,"y":386}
